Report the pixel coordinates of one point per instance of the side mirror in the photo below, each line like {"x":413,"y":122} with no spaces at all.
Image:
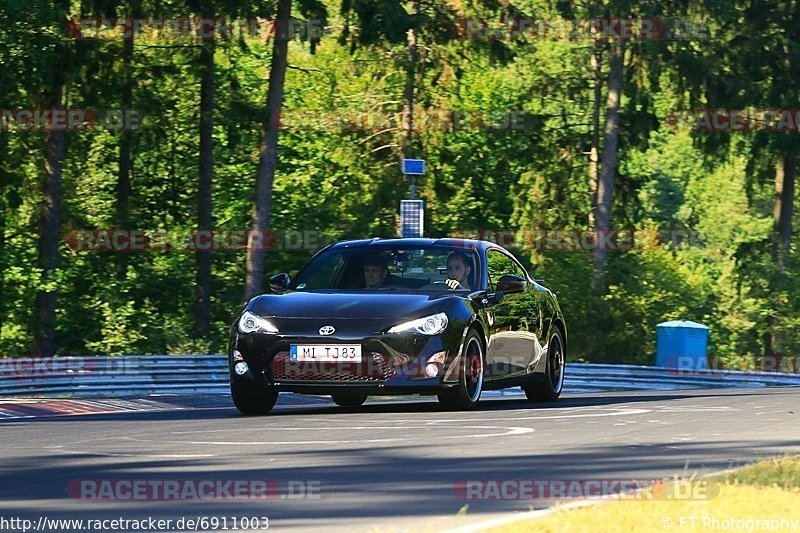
{"x":510,"y":284}
{"x":279,"y":282}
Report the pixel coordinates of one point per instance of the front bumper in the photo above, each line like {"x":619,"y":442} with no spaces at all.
{"x":391,"y":364}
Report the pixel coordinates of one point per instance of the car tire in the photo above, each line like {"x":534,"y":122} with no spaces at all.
{"x":349,"y":400}
{"x":550,"y":388}
{"x":467,"y":393}
{"x":255,"y":404}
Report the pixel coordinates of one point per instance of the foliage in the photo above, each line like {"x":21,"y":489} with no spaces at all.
{"x":505,"y":128}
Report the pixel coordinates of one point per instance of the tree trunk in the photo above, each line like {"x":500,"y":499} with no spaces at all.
{"x":2,"y":251}
{"x":268,"y":154}
{"x":204,"y":205}
{"x":608,"y":165}
{"x":785,"y":171}
{"x":408,"y":95}
{"x":50,"y":211}
{"x":125,"y":167}
{"x":784,"y":208}
{"x":783,"y":205}
{"x":595,"y":148}
{"x":49,"y":227}
{"x":4,"y":210}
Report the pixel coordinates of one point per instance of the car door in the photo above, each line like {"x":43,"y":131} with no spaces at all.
{"x":546,"y":311}
{"x":513,"y":342}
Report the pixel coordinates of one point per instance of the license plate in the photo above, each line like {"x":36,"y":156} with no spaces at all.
{"x":347,"y":353}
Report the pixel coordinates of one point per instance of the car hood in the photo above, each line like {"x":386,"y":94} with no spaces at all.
{"x":356,"y":305}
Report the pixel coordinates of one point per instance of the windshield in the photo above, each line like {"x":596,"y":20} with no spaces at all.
{"x":414,"y":268}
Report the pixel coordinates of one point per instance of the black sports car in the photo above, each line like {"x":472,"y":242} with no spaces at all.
{"x":450,"y":317}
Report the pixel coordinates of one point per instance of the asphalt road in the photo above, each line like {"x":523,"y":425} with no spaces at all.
{"x":391,"y":466}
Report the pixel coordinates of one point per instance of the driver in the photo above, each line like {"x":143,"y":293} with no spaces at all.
{"x":458,"y":269}
{"x":375,"y":271}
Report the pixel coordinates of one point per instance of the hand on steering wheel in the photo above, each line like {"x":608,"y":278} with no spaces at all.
{"x":453,"y":284}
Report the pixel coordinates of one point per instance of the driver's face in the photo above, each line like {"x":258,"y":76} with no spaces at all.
{"x":457,"y":270}
{"x":374,"y":275}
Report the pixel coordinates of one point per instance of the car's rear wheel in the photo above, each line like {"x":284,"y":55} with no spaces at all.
{"x":550,"y":388}
{"x":251,"y":404}
{"x":349,"y":400}
{"x":466,"y":394}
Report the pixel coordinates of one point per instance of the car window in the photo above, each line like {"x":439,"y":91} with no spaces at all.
{"x":499,"y":264}
{"x":409,"y":267}
{"x":323,"y":276}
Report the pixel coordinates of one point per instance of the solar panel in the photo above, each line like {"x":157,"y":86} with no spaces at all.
{"x":412,"y":215}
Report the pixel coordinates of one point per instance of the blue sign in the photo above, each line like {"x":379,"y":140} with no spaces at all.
{"x":414,"y":166}
{"x":411,"y":218}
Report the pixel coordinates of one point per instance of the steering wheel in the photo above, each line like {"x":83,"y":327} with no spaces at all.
{"x":431,"y":286}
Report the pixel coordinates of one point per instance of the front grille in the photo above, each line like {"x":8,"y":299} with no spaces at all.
{"x":373,"y":368}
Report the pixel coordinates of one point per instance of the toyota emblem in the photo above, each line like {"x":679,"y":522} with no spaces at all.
{"x":326,"y":330}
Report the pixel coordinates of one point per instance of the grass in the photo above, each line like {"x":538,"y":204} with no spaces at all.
{"x":762,"y":497}
{"x":781,"y":472}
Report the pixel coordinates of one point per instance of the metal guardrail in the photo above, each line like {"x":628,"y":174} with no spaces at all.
{"x":112,"y":376}
{"x":131,"y":376}
{"x":583,"y":377}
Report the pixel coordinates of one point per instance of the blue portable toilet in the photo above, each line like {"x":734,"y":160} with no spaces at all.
{"x":682,"y":344}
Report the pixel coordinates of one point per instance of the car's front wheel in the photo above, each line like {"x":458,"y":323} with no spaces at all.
{"x":550,"y":388}
{"x":466,"y":394}
{"x":255,"y":404}
{"x":349,"y":400}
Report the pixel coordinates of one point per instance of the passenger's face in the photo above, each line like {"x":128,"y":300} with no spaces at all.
{"x":374,"y":275}
{"x":457,"y":270}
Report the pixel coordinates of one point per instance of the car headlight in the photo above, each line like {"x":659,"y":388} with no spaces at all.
{"x":429,"y":325}
{"x":250,"y":323}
